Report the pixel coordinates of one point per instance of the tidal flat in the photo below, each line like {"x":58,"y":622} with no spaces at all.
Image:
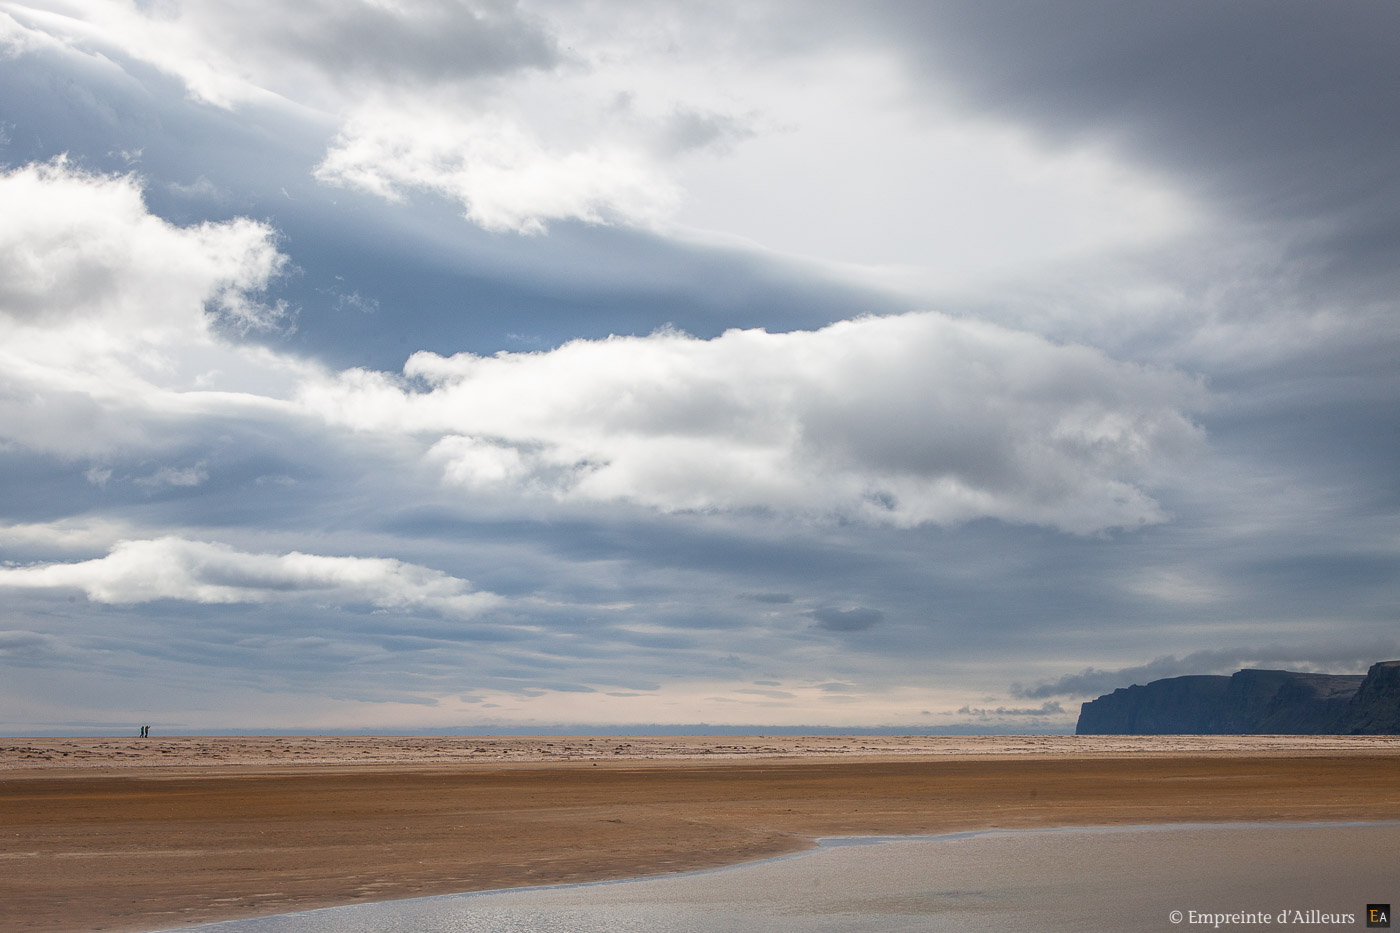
{"x":1233,"y":876}
{"x":175,"y":832}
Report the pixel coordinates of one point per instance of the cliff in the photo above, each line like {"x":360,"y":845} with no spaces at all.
{"x":1375,"y":710}
{"x":1252,"y":702}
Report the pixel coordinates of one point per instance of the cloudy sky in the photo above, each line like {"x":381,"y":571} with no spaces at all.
{"x":400,"y":364}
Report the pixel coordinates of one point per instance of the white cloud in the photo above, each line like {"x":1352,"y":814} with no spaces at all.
{"x":757,"y":124}
{"x":103,"y":303}
{"x":79,"y":248}
{"x":902,"y":420}
{"x":77,"y":535}
{"x":504,"y":177}
{"x":209,"y":572}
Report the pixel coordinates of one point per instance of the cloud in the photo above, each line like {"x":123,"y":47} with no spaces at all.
{"x":81,"y":248}
{"x":776,"y":599}
{"x":27,"y":644}
{"x":425,"y":41}
{"x":1258,"y":134}
{"x":692,"y":129}
{"x":458,"y":99}
{"x":1045,"y":709}
{"x":503,"y":176}
{"x":847,"y":620}
{"x":905,"y":420}
{"x":1094,"y":682}
{"x":213,"y":573}
{"x":103,"y":304}
{"x":173,"y":476}
{"x":317,"y":51}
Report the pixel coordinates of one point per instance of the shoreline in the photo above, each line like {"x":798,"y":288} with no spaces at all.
{"x":982,"y":881}
{"x":836,"y":842}
{"x":157,"y":846}
{"x":831,"y":842}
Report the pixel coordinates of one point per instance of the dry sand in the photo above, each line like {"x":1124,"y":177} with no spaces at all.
{"x":131,"y":834}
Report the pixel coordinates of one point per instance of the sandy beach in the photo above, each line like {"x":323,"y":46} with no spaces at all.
{"x":131,"y":834}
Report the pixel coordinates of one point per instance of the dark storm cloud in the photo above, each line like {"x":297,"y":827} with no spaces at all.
{"x":1287,"y":99}
{"x":1273,"y":110}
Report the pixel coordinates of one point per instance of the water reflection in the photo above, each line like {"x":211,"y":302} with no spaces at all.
{"x":1076,"y":879}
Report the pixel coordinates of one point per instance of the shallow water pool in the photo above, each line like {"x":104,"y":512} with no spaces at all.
{"x":1179,"y":877}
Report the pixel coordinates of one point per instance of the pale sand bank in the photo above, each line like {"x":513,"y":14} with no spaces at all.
{"x":23,"y":754}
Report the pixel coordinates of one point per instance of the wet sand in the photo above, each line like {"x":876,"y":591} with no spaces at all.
{"x":125,"y":834}
{"x":1255,"y":876}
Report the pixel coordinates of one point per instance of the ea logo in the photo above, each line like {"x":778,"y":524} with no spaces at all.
{"x":1378,"y":915}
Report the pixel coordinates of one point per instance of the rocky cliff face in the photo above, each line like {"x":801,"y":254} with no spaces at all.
{"x":1252,"y":702}
{"x":1375,"y":710}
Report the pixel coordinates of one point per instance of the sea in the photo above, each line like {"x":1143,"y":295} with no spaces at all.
{"x":1243,"y":876}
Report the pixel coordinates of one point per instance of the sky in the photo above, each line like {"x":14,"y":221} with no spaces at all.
{"x":413,"y":365}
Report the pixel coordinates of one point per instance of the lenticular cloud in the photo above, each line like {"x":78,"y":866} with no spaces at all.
{"x":903,"y":420}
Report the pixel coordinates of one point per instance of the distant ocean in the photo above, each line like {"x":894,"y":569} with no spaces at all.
{"x":1180,"y":877}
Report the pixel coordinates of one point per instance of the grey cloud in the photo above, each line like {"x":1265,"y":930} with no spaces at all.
{"x":689,"y":129}
{"x":1092,"y":682}
{"x":16,"y":643}
{"x":427,"y":41}
{"x":385,"y":696}
{"x":776,"y":599}
{"x":1244,"y":87}
{"x":171,"y":476}
{"x":1045,"y":709}
{"x":295,"y":49}
{"x":1273,"y":110}
{"x":1335,"y":658}
{"x":847,"y":620}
